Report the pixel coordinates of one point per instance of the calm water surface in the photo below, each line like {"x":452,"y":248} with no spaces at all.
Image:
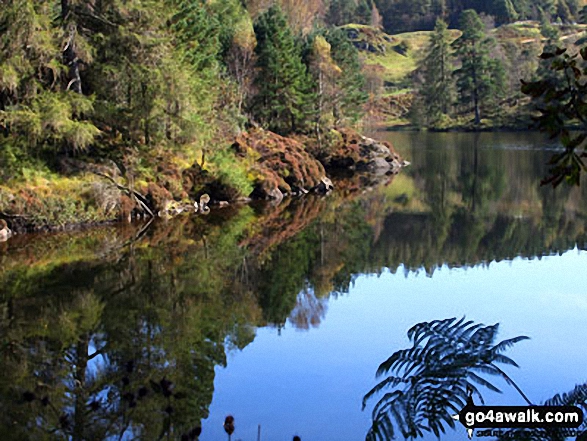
{"x":281,"y":315}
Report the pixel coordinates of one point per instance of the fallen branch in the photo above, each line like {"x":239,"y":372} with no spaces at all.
{"x":139,"y":198}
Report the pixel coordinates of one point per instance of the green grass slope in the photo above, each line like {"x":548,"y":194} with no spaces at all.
{"x":395,"y":57}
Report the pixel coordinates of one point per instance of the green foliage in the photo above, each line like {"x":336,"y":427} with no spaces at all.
{"x":363,"y":12}
{"x":230,"y":171}
{"x":562,"y":105}
{"x":412,"y":15}
{"x":341,"y":12}
{"x":504,"y":11}
{"x":282,"y":103}
{"x":35,"y":104}
{"x":430,"y":381}
{"x":348,"y":102}
{"x":437,"y":91}
{"x":51,"y":118}
{"x":120,"y":69}
{"x":480,"y":78}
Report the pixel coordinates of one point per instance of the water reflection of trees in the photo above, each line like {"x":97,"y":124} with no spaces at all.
{"x":172,"y":299}
{"x":123,"y":346}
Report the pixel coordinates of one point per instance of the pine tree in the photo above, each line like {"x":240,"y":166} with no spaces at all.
{"x":282,"y":103}
{"x":438,"y":89}
{"x":347,"y":104}
{"x":563,"y":12}
{"x":523,"y":8}
{"x":41,"y":101}
{"x":504,"y":11}
{"x":362,"y":13}
{"x":552,"y":36}
{"x":341,"y":12}
{"x":475,"y":81}
{"x":439,"y":8}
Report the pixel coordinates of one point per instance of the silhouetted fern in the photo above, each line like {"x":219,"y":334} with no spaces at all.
{"x":431,"y":381}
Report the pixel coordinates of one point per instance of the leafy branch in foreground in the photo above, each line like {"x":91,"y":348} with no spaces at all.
{"x":561,"y":99}
{"x":431,"y":381}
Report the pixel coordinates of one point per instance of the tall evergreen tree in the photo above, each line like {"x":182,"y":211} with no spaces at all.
{"x":363,"y":12}
{"x":552,"y":36}
{"x":437,"y":92}
{"x":41,"y":101}
{"x":347,"y":104}
{"x":504,"y":11}
{"x":563,"y":11}
{"x":341,"y":12}
{"x":523,"y":8}
{"x":477,"y":78}
{"x":282,"y":103}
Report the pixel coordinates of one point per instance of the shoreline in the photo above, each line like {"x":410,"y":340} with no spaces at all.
{"x":284,"y":168}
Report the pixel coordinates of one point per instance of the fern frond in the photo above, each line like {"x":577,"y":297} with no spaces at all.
{"x":434,"y":378}
{"x":506,"y":344}
{"x":483,"y":382}
{"x":500,"y":358}
{"x":388,"y":382}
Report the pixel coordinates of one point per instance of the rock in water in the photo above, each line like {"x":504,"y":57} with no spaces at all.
{"x":204,"y":200}
{"x":324,"y":186}
{"x":5,"y":232}
{"x":379,"y":166}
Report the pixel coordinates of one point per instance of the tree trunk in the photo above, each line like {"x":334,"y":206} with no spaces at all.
{"x":80,"y":409}
{"x":70,"y":57}
{"x":476,"y":97}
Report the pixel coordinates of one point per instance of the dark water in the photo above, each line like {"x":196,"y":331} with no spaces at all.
{"x":281,"y":315}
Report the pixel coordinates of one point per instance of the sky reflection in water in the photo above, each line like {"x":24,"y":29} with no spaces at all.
{"x":311,"y":383}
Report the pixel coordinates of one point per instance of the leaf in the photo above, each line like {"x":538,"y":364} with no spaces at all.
{"x":436,"y":375}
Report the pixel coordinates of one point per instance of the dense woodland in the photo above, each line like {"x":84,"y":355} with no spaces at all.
{"x":158,"y":88}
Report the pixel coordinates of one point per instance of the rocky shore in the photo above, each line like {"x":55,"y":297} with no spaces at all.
{"x":277,"y":167}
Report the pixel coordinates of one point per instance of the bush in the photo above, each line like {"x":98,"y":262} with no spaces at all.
{"x":230,"y":171}
{"x":402,"y":47}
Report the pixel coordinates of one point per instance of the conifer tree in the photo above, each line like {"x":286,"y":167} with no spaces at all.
{"x":347,"y":103}
{"x":478,"y":77}
{"x":438,"y":89}
{"x":504,"y":11}
{"x":363,"y":13}
{"x":38,"y":104}
{"x":341,"y":12}
{"x":523,"y":8}
{"x":282,"y":103}
{"x":552,"y":36}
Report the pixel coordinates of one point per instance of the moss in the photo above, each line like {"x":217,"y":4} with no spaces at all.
{"x":56,"y":202}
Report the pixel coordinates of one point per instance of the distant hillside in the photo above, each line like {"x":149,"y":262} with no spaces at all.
{"x":412,"y":15}
{"x":395,"y":57}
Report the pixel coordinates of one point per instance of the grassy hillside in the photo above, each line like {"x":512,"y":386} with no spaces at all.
{"x":395,"y":57}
